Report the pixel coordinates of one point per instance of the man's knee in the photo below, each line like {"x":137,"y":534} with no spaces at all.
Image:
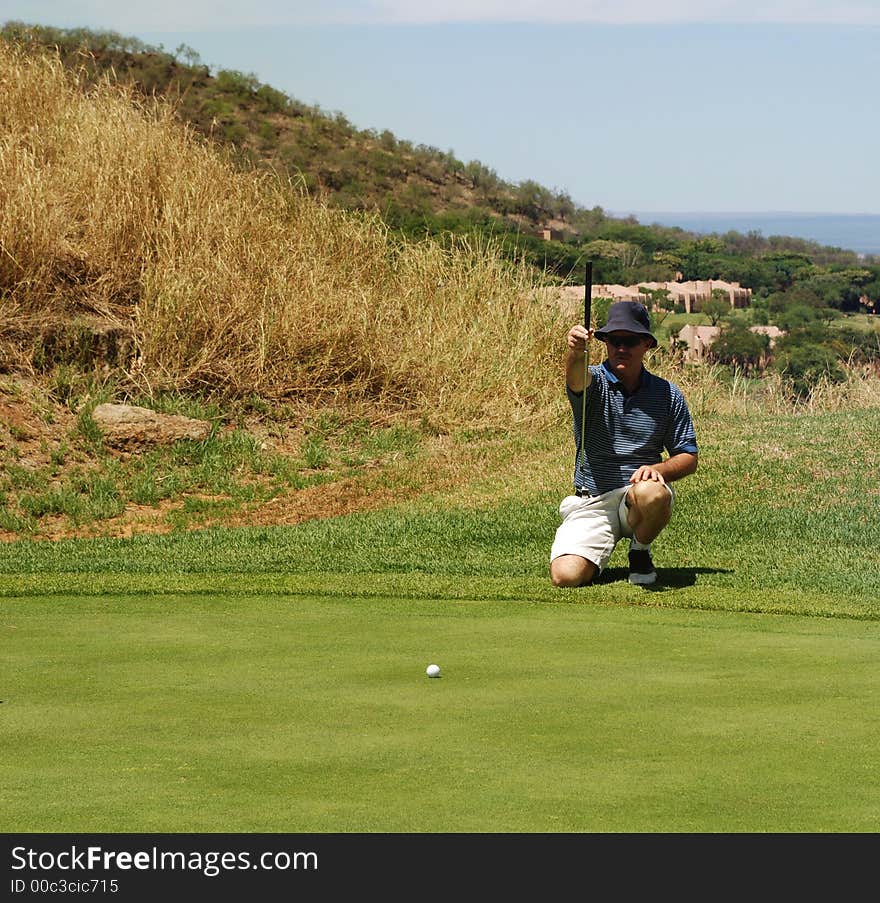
{"x":649,"y":509}
{"x":571,"y":570}
{"x":650,"y":497}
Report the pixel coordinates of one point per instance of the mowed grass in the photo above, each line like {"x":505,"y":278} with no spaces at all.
{"x":262,"y":713}
{"x":273,"y":679}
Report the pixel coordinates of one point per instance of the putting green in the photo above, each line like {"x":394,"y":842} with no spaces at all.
{"x":314,"y":714}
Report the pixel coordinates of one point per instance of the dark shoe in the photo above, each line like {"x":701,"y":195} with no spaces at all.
{"x":641,"y":567}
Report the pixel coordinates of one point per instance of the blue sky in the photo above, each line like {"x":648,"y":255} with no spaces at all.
{"x":670,"y":105}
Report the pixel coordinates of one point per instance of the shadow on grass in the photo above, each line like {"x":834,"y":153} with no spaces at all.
{"x":667,"y":578}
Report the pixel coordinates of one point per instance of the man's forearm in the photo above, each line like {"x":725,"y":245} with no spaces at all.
{"x":677,"y":466}
{"x":575,"y":370}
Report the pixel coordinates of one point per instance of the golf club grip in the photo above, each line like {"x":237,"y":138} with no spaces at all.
{"x":588,"y":293}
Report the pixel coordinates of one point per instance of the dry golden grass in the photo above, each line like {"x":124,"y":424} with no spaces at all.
{"x":238,"y":284}
{"x":711,"y":390}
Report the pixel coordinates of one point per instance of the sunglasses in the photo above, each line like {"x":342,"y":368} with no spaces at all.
{"x":627,"y":341}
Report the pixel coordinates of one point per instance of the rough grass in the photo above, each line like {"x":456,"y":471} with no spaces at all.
{"x":777,"y":519}
{"x":263,"y":452}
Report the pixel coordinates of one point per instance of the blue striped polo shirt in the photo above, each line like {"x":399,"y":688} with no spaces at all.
{"x":626,"y":431}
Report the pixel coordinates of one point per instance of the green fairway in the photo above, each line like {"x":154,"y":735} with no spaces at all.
{"x":282,"y":713}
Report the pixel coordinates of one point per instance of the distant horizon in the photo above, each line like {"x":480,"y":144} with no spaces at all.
{"x":725,"y":213}
{"x":857,"y":232}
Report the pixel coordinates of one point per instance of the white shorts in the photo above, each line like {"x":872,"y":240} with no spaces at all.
{"x":592,"y":526}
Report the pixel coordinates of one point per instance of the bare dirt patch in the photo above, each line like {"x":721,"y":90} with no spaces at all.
{"x":31,"y":424}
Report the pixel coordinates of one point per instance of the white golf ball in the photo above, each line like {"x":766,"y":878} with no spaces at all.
{"x":433,"y":670}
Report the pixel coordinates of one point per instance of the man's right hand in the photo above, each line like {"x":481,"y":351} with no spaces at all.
{"x":575,"y":377}
{"x":578,"y":336}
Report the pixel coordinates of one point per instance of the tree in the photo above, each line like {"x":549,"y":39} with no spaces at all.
{"x":739,"y":347}
{"x":760,"y":313}
{"x":588,"y":222}
{"x":628,"y":254}
{"x":717,"y":307}
{"x":786,"y":267}
{"x":804,"y":365}
{"x":188,"y":55}
{"x":565,"y":206}
{"x":533,"y":200}
{"x":668,"y":259}
{"x":841,"y":289}
{"x":599,"y":311}
{"x":658,"y":298}
{"x":703,"y":258}
{"x":872,"y":293}
{"x":797,"y":317}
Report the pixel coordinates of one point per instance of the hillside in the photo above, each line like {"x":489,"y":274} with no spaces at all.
{"x":415,"y":188}
{"x":141,"y":265}
{"x":356,"y":169}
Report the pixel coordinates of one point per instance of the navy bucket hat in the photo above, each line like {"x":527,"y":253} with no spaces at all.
{"x":628,"y":316}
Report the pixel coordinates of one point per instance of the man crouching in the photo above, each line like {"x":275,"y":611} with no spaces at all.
{"x":621,"y":482}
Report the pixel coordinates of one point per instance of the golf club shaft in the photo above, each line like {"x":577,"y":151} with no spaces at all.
{"x":588,"y":303}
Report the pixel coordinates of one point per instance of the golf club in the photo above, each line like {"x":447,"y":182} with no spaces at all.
{"x":588,"y":302}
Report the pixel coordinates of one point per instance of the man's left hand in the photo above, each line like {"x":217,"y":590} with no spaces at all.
{"x":647,"y":472}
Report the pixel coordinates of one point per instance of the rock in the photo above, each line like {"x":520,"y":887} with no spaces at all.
{"x":127,"y":425}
